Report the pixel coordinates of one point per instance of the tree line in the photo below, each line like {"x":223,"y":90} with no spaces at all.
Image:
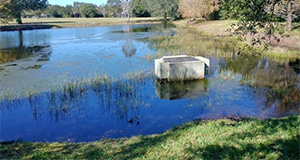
{"x":243,"y":10}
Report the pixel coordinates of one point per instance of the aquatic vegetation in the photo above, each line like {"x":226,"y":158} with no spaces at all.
{"x":149,"y":57}
{"x":116,"y":95}
{"x":189,"y":41}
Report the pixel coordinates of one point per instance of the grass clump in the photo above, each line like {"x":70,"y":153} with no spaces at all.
{"x":220,"y":139}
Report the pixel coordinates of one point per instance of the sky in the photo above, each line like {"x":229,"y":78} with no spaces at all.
{"x":70,"y":2}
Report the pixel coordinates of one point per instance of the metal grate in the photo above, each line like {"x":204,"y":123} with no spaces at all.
{"x":180,"y":59}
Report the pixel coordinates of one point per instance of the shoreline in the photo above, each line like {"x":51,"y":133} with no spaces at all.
{"x":275,"y":138}
{"x":57,"y":23}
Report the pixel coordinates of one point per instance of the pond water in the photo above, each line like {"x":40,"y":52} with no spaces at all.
{"x":86,"y":84}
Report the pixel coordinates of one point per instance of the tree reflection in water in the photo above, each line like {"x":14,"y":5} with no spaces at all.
{"x":20,"y":51}
{"x":279,"y":83}
{"x":128,"y":47}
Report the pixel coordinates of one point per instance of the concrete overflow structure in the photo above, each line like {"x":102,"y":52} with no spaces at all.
{"x":180,"y":68}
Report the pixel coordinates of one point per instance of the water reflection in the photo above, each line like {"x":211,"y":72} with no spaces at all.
{"x":85,"y":109}
{"x":129,"y":49}
{"x":279,"y":83}
{"x":157,"y":28}
{"x":180,"y":90}
{"x":121,"y":99}
{"x":22,"y":51}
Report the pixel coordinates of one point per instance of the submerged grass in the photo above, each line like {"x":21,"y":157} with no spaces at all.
{"x":220,"y":139}
{"x":71,"y":88}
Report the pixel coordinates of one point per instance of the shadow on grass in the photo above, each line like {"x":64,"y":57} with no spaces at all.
{"x":234,"y":145}
{"x":288,"y":148}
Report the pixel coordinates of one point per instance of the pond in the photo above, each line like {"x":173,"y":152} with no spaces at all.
{"x":87,"y":84}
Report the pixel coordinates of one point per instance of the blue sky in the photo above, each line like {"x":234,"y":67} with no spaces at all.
{"x":65,"y":2}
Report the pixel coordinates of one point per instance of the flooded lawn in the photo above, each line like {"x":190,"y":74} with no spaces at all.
{"x":86,"y":84}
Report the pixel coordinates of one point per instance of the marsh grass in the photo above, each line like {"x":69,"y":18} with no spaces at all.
{"x":192,"y":40}
{"x":121,"y":96}
{"x":149,"y":57}
{"x":231,"y":138}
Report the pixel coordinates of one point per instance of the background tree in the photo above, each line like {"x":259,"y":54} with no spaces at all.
{"x":198,"y":8}
{"x":288,"y":10}
{"x":88,"y":10}
{"x":17,"y":6}
{"x":76,"y":9}
{"x":255,"y":18}
{"x":126,"y":8}
{"x":68,"y":11}
{"x":139,"y":8}
{"x":54,"y":11}
{"x":163,"y":8}
{"x":102,"y":10}
{"x":113,"y":7}
{"x":5,"y":12}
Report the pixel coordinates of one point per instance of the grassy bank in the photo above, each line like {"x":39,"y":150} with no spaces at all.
{"x":287,"y":49}
{"x":221,"y":139}
{"x":47,"y":23}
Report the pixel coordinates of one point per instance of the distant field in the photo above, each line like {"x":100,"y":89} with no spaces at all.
{"x":78,"y":22}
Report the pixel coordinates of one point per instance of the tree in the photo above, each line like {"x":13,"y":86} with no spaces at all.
{"x":5,"y":12}
{"x":113,"y":7}
{"x":68,"y":11}
{"x":163,"y":8}
{"x":102,"y":10}
{"x":197,"y":8}
{"x":139,"y":8}
{"x":88,"y":10}
{"x":289,"y":10}
{"x":76,"y":9}
{"x":255,"y":18}
{"x":17,"y":6}
{"x":53,"y":10}
{"x":126,"y":8}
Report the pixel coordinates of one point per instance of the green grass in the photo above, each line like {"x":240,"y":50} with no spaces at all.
{"x":221,"y":139}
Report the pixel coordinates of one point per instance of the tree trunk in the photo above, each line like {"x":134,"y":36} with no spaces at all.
{"x":18,"y":18}
{"x":165,"y":16}
{"x":288,"y":25}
